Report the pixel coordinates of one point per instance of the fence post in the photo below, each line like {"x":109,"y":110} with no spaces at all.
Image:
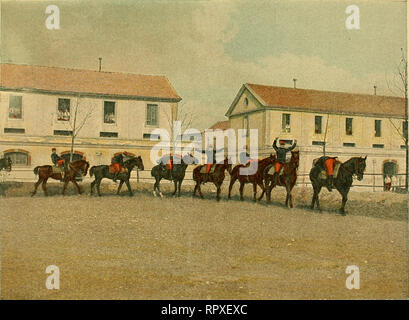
{"x":374,"y":175}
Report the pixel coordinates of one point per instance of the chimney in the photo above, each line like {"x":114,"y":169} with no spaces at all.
{"x":100,"y":59}
{"x":374,"y":90}
{"x":295,"y":80}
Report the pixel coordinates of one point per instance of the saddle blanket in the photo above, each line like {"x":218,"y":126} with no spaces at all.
{"x":203,"y":169}
{"x":323,"y":173}
{"x":273,"y":170}
{"x":57,"y":169}
{"x":112,"y":169}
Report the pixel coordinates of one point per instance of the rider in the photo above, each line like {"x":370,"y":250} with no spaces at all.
{"x":118,"y":163}
{"x":210,"y":160}
{"x":328,"y":163}
{"x":166,"y":163}
{"x":281,"y":157}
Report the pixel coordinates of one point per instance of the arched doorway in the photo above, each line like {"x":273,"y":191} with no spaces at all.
{"x":390,"y":168}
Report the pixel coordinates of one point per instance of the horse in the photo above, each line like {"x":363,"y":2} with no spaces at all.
{"x":343,"y":181}
{"x":102,"y":171}
{"x":73,"y":169}
{"x":256,"y":178}
{"x":178,"y":174}
{"x":287,"y":179}
{"x":5,"y":163}
{"x":217,"y":176}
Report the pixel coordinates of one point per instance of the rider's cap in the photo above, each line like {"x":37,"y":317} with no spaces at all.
{"x":53,"y":149}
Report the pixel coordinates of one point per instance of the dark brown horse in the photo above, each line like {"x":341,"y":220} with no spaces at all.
{"x":343,"y":181}
{"x":217,"y":176}
{"x":255,"y":179}
{"x":73,"y":170}
{"x":287,"y":179}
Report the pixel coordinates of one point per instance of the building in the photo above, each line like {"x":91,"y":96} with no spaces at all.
{"x":118,"y":111}
{"x":345,"y":124}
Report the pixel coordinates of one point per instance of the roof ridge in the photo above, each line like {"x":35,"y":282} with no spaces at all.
{"x":324,"y":91}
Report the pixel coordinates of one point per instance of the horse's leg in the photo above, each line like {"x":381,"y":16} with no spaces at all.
{"x":218,"y":186}
{"x":121,"y":182}
{"x":158,"y":187}
{"x":344,"y":194}
{"x":175,"y":184}
{"x":200,"y":191}
{"x":317,"y":199}
{"x":241,"y":190}
{"x":232,"y":181}
{"x":76,"y":184}
{"x":36,"y":186}
{"x":129,"y":187}
{"x":179,"y":187}
{"x":65,"y":186}
{"x":98,"y":186}
{"x":263,"y":189}
{"x":195,"y":189}
{"x":254,"y":191}
{"x":268,"y":189}
{"x":44,"y":186}
{"x":291,"y":195}
{"x":93,"y":185}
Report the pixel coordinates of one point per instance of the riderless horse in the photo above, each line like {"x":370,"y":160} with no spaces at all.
{"x":102,"y":171}
{"x":216,"y":175}
{"x":287,"y":179}
{"x":75,"y":168}
{"x":177,"y":176}
{"x":256,"y":178}
{"x":342,"y":182}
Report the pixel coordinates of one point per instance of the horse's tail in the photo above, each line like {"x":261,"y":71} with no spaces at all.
{"x":91,"y":171}
{"x":36,"y":170}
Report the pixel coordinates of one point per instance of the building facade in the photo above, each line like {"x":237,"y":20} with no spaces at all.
{"x":342,"y":124}
{"x":41,"y":106}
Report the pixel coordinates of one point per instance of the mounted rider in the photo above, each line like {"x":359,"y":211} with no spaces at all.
{"x":328,"y":164}
{"x":166,"y":164}
{"x":281,"y":152}
{"x":118,"y":163}
{"x":58,"y":161}
{"x":210,"y":159}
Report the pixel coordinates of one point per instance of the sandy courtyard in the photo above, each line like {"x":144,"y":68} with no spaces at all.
{"x":117,"y":247}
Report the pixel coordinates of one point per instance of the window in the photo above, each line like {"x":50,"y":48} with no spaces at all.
{"x":318,"y":124}
{"x":246,"y":102}
{"x":151,"y":136}
{"x":349,"y":144}
{"x":246,"y":125}
{"x":286,"y":122}
{"x":404,"y":128}
{"x":109,"y":112}
{"x":376,"y":145}
{"x":152,"y":114}
{"x":318,"y":143}
{"x":18,"y":158}
{"x":108,"y":134}
{"x":63,"y":112}
{"x":348,"y":126}
{"x":15,"y":107}
{"x":62,"y":132}
{"x":378,"y":125}
{"x":14,"y":130}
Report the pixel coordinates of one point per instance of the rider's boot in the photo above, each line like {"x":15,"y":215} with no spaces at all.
{"x":115,"y":176}
{"x":206,"y":178}
{"x":170,"y":174}
{"x":330,"y":183}
{"x":275,"y":178}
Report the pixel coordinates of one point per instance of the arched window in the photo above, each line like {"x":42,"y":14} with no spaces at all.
{"x":77,"y":155}
{"x":18,"y":157}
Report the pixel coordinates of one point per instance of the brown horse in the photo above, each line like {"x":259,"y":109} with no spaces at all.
{"x":287,"y":179}
{"x":217,"y":176}
{"x":73,"y":169}
{"x":255,"y":179}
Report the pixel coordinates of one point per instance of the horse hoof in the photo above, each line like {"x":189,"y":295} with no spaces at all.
{"x":154,"y":193}
{"x":160,"y":194}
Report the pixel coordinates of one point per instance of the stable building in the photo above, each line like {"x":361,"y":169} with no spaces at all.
{"x":342,"y":124}
{"x":41,"y":106}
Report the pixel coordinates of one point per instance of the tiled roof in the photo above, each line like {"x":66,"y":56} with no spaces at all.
{"x":223,"y":125}
{"x":328,"y":101}
{"x":13,"y":76}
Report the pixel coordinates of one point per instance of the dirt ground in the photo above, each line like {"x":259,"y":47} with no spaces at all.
{"x":118,"y":247}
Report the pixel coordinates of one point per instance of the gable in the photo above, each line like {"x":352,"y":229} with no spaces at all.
{"x":244,"y":102}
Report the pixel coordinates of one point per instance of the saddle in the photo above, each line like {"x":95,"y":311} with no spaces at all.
{"x":58,"y":169}
{"x":203,"y":169}
{"x":272,"y":170}
{"x":112,"y":169}
{"x":323,"y":174}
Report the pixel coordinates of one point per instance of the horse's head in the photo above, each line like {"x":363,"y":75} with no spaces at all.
{"x":135,"y":161}
{"x":80,"y":165}
{"x":359,"y":167}
{"x":227,"y":164}
{"x":295,"y":157}
{"x":189,"y":159}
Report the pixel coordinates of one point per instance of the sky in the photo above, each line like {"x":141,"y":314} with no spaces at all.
{"x":209,"y":48}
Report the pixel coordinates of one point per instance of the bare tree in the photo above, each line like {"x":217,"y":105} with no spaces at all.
{"x":81,"y":114}
{"x":399,"y":86}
